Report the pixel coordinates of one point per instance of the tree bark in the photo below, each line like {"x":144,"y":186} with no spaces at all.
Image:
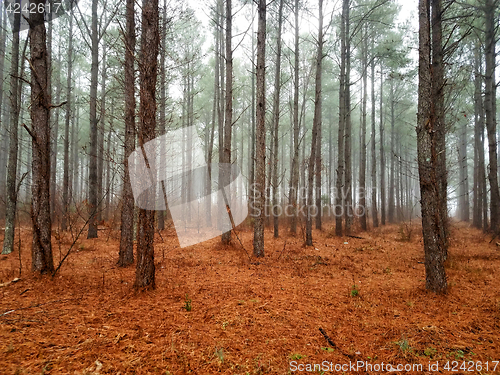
{"x":348,"y":125}
{"x":94,"y":70}
{"x":382,"y":153}
{"x":226,"y":237}
{"x":479,"y":172}
{"x":41,"y":252}
{"x":11,"y":203}
{"x":260,"y":156}
{"x":430,"y":131}
{"x":373,"y":149}
{"x":276,"y":120}
{"x":126,"y":253}
{"x":66,"y":182}
{"x":294,"y":177}
{"x":315,"y":131}
{"x":148,"y":70}
{"x":489,"y":109}
{"x":362,"y":159}
{"x":391,"y":202}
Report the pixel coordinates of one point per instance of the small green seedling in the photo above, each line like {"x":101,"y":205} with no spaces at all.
{"x":187,"y":303}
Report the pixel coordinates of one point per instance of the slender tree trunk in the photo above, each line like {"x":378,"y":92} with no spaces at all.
{"x":226,"y":237}
{"x":341,"y":186}
{"x":489,"y":106}
{"x":260,"y":160}
{"x":391,"y":176}
{"x":430,"y":130}
{"x":276,"y":120}
{"x":163,"y":105}
{"x":294,"y":178}
{"x":251,"y":161}
{"x":315,"y":130}
{"x":348,"y":192}
{"x":3,"y":106}
{"x":148,"y":70}
{"x":479,"y":173}
{"x":362,"y":159}
{"x":94,"y":70}
{"x":66,"y":184}
{"x":41,"y":252}
{"x":463,"y":175}
{"x":100,"y":136}
{"x":126,"y":253}
{"x":374,"y":156}
{"x":382,"y":154}
{"x":11,"y":204}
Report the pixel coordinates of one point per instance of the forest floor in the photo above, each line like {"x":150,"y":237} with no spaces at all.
{"x":216,"y":311}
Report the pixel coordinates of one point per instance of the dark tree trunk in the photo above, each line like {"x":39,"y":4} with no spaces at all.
{"x":148,"y":70}
{"x":294,"y":173}
{"x":463,"y":190}
{"x":3,"y":106}
{"x":226,"y":237}
{"x":100,"y":136}
{"x":11,"y":203}
{"x":340,"y":185}
{"x":163,"y":106}
{"x":276,"y":120}
{"x":430,"y":134}
{"x":260,"y":156}
{"x":373,"y":149}
{"x":382,"y":154}
{"x":391,"y":202}
{"x":362,"y":159}
{"x":92,"y":170}
{"x":41,"y":251}
{"x":315,"y":131}
{"x":126,"y":253}
{"x":348,"y":125}
{"x":66,"y":182}
{"x":489,"y":109}
{"x":479,"y":172}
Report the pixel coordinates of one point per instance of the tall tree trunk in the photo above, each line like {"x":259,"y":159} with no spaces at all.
{"x":226,"y":237}
{"x":148,"y":70}
{"x":373,"y":149}
{"x":340,"y":185}
{"x":348,"y":125}
{"x":3,"y":106}
{"x":294,"y":177}
{"x":11,"y":204}
{"x":276,"y":120}
{"x":126,"y":253}
{"x":260,"y":155}
{"x":479,"y":173}
{"x":430,"y":131}
{"x":489,"y":107}
{"x":94,"y":70}
{"x":251,"y":159}
{"x":382,"y":154}
{"x":41,"y":251}
{"x":463,"y":175}
{"x":163,"y":106}
{"x":391,"y":171}
{"x":362,"y":159}
{"x":100,"y":135}
{"x":315,"y":130}
{"x":66,"y":182}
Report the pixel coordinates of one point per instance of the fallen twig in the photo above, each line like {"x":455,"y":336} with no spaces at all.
{"x":330,"y":341}
{"x":10,"y":282}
